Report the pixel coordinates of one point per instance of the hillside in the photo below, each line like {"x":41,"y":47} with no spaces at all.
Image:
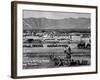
{"x":67,"y":23}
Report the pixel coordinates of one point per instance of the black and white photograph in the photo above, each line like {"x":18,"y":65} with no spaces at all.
{"x":56,"y":39}
{"x":53,"y":39}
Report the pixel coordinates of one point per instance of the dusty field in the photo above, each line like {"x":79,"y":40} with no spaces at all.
{"x":41,"y":57}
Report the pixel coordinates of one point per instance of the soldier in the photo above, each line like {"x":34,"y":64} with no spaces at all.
{"x":67,"y":51}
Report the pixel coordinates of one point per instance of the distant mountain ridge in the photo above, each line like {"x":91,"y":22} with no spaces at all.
{"x":66,"y":23}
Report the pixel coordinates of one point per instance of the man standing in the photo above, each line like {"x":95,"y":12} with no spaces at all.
{"x":67,"y":51}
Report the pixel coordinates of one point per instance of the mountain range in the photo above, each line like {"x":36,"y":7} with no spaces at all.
{"x":66,"y":23}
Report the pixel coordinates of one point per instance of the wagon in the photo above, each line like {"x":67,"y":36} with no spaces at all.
{"x":84,"y":45}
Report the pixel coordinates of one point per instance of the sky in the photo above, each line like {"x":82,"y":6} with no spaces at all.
{"x":53,"y":15}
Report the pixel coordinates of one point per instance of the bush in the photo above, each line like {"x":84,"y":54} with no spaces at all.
{"x":57,"y":45}
{"x":37,"y":45}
